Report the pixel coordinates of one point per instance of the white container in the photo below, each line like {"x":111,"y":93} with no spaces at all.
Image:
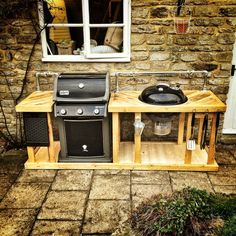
{"x":162,"y":127}
{"x":138,"y":127}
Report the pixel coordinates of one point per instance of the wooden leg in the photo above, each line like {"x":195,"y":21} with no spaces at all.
{"x":181,"y":128}
{"x":200,"y":130}
{"x":31,"y":155}
{"x":51,"y":151}
{"x":211,"y":152}
{"x":137,"y":142}
{"x":188,"y":153}
{"x":116,"y":136}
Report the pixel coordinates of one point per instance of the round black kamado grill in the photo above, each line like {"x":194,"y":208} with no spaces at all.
{"x":81,"y":113}
{"x":163,"y":94}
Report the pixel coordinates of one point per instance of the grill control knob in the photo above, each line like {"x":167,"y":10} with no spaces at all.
{"x":79,"y":111}
{"x":96,"y":111}
{"x":63,"y":111}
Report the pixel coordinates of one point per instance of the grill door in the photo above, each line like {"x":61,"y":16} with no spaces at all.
{"x":84,"y":137}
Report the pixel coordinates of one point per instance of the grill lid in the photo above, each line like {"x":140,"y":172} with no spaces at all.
{"x":162,"y":95}
{"x":79,"y":88}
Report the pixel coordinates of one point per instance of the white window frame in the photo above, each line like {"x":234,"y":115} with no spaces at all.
{"x":88,"y":56}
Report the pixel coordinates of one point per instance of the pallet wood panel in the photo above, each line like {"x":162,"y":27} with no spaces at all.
{"x":198,"y":101}
{"x":39,"y":101}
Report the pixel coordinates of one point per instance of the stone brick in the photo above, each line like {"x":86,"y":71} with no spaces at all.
{"x":139,"y":56}
{"x":222,"y":74}
{"x":225,"y":66}
{"x":137,"y":39}
{"x":183,"y":40}
{"x":143,"y":29}
{"x":181,"y":66}
{"x":208,"y":21}
{"x":142,"y":65}
{"x":161,"y":22}
{"x":226,"y":39}
{"x":26,"y":39}
{"x":13,"y":30}
{"x":156,"y":48}
{"x":207,"y":40}
{"x":203,"y":11}
{"x":139,"y":22}
{"x":223,"y":57}
{"x":6,"y":39}
{"x":140,"y":12}
{"x":227,"y":11}
{"x":204,"y":66}
{"x":155,"y":39}
{"x":159,"y":12}
{"x":207,"y":57}
{"x":159,"y":56}
{"x":188,"y":57}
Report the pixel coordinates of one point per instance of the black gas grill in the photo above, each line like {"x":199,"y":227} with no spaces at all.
{"x":81,"y":112}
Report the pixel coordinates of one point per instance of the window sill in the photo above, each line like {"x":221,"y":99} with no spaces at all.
{"x":72,"y":58}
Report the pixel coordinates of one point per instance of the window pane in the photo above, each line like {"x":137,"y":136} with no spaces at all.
{"x":106,"y":40}
{"x":63,"y":11}
{"x":64,"y":40}
{"x":105,"y":11}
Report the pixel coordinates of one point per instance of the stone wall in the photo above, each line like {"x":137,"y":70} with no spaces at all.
{"x":155,"y":47}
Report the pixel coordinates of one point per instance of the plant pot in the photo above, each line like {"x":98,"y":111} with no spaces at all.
{"x":181,"y":25}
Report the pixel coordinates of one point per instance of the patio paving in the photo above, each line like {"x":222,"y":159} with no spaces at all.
{"x":91,"y":202}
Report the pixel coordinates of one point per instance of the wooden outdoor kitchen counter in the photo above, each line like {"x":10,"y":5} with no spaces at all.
{"x":198,"y":101}
{"x":38,"y":101}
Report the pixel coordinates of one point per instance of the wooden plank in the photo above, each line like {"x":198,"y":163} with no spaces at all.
{"x":156,"y":156}
{"x":31,"y":155}
{"x":118,"y":166}
{"x":200,"y":127}
{"x":181,"y":128}
{"x":137,"y":141}
{"x":188,"y":153}
{"x":211,"y":152}
{"x":116,"y":136}
{"x":39,"y":101}
{"x":199,"y":101}
{"x":51,"y":140}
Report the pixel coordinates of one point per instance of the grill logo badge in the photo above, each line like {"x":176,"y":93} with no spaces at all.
{"x":85,"y":148}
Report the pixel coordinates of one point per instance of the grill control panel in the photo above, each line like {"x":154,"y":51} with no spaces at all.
{"x":80,"y":110}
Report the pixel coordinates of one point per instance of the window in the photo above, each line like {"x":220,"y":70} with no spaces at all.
{"x":85,"y":30}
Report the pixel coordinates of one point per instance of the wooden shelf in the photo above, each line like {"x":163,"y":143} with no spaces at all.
{"x":154,"y":156}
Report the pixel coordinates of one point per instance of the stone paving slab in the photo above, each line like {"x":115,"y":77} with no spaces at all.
{"x":110,"y":187}
{"x":16,"y":221}
{"x":225,"y":157}
{"x":103,"y":216}
{"x":150,"y":177}
{"x":142,"y":192}
{"x":112,"y":172}
{"x":72,"y":180}
{"x":56,"y":228}
{"x":25,"y":195}
{"x":225,"y":189}
{"x":225,"y":176}
{"x":198,"y":180}
{"x":35,"y":176}
{"x":6,"y":181}
{"x":63,"y":205}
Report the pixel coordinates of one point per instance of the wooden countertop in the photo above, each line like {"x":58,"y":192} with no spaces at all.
{"x":127,"y":101}
{"x":39,"y":101}
{"x":198,"y":101}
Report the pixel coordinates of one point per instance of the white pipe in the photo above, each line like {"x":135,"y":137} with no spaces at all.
{"x":167,"y":73}
{"x":43,"y":74}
